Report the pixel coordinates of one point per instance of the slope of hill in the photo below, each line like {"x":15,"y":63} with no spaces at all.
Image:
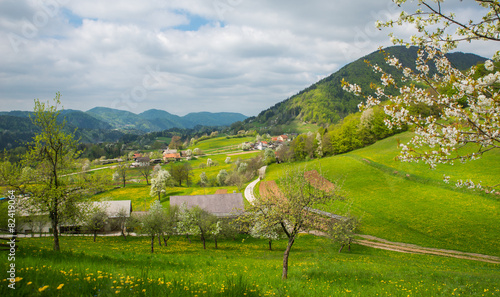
{"x":325,"y":102}
{"x":408,"y":202}
{"x":163,"y":119}
{"x":121,"y":119}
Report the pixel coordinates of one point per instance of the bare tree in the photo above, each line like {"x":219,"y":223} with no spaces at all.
{"x":146,"y":172}
{"x":121,"y":173}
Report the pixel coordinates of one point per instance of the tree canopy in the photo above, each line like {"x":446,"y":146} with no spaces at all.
{"x":467,"y":102}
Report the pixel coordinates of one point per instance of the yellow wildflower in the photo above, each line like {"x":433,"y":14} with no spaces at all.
{"x":42,"y":288}
{"x":60,"y":286}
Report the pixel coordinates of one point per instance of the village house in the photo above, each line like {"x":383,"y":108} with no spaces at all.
{"x":142,"y":161}
{"x":172,"y":157}
{"x":220,"y":205}
{"x":40,"y":222}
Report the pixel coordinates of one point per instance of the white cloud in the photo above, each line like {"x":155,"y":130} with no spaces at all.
{"x":238,"y":55}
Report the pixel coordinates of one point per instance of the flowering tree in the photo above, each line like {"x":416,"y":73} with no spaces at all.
{"x":159,"y":183}
{"x":468,"y":102}
{"x":287,"y":207}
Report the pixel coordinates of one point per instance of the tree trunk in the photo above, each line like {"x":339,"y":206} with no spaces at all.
{"x":159,"y":196}
{"x":55,"y":231}
{"x":159,"y":240}
{"x":270,"y":246}
{"x":349,"y":245}
{"x":341,"y":247}
{"x":215,"y":238}
{"x":165,"y":240}
{"x":123,"y":233}
{"x":285,"y":257}
{"x":187,"y":236}
{"x":95,"y":235}
{"x":152,"y":243}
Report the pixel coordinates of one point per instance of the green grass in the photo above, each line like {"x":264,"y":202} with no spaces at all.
{"x":221,"y":144}
{"x":244,"y":267}
{"x":138,"y":192}
{"x":419,"y":208}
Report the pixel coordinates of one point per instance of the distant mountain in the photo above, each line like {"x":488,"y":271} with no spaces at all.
{"x":163,"y":119}
{"x":121,"y":119}
{"x":212,"y":119}
{"x":325,"y":102}
{"x":16,"y":128}
{"x":158,"y":120}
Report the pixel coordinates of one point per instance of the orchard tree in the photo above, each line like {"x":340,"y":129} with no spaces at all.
{"x":146,"y":172}
{"x":342,"y":231}
{"x":159,"y":183}
{"x":203,"y":179}
{"x":96,"y":219}
{"x":120,"y":173}
{"x":468,"y":102}
{"x":221,"y":177}
{"x":153,"y":223}
{"x":52,"y":154}
{"x":265,"y":229}
{"x":288,"y":208}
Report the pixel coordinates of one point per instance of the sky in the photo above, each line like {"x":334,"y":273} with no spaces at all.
{"x":186,"y":56}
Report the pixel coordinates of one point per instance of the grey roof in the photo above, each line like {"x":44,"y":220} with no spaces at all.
{"x":113,"y":207}
{"x":218,"y":204}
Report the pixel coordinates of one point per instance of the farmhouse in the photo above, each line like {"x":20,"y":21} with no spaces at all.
{"x":141,"y":162}
{"x":171,"y":157}
{"x":221,"y":205}
{"x":40,"y":223}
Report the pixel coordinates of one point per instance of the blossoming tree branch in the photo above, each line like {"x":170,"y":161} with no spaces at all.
{"x":468,"y":102}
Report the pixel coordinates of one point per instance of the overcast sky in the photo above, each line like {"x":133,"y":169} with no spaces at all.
{"x":185,"y":55}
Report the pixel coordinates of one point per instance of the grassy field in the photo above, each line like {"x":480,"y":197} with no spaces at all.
{"x":241,"y":267}
{"x":407,"y":202}
{"x":396,"y":201}
{"x":221,"y":144}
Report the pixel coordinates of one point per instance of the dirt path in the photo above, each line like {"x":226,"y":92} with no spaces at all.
{"x":380,"y":243}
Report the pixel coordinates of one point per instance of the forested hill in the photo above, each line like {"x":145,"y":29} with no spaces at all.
{"x":325,"y":102}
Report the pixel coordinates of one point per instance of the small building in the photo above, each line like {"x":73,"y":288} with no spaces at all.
{"x":282,"y":138}
{"x":40,"y":222}
{"x":143,"y":161}
{"x":221,"y":205}
{"x":172,"y":157}
{"x":262,"y":145}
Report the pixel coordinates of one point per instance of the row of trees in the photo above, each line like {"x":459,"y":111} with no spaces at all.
{"x":162,"y":223}
{"x":353,"y":132}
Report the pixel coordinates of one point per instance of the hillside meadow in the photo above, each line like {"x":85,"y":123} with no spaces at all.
{"x":396,"y":201}
{"x":113,"y":266}
{"x":407,"y":202}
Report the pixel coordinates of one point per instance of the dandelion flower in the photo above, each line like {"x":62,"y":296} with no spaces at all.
{"x":42,"y":288}
{"x":60,"y":286}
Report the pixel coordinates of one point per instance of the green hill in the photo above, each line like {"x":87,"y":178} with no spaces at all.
{"x":121,"y":119}
{"x":325,"y":102}
{"x":163,"y":119}
{"x":407,"y":202}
